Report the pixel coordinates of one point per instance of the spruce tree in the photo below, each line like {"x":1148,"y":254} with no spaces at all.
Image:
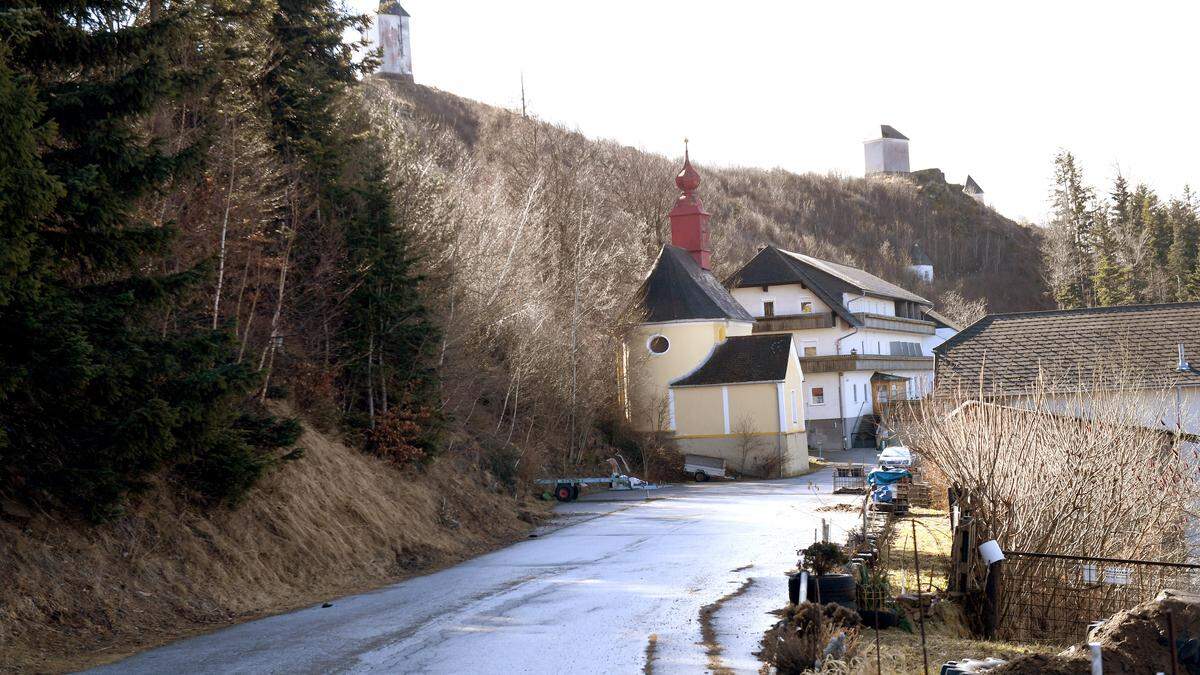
{"x":99,"y":389}
{"x":1072,"y":235}
{"x":387,"y":332}
{"x":1182,"y":254}
{"x":1111,"y":278}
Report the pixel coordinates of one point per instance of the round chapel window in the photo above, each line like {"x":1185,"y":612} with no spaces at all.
{"x":659,"y":344}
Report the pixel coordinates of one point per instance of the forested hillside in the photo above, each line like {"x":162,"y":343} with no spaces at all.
{"x":870,"y":223}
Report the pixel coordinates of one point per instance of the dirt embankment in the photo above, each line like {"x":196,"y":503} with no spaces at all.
{"x":334,"y":522}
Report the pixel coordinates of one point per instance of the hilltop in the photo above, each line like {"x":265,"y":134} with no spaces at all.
{"x":866,"y":222}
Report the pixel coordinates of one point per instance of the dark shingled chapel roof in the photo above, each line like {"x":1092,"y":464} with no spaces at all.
{"x":889,"y":131}
{"x":741,"y":359}
{"x":972,"y":187}
{"x":678,"y":289}
{"x":918,"y":256}
{"x":1070,"y":346}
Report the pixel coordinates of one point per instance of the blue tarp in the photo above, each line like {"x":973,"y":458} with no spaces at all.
{"x":887,"y":476}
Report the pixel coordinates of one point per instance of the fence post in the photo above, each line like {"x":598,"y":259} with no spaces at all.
{"x":1097,"y":659}
{"x":991,"y":599}
{"x":1171,"y":644}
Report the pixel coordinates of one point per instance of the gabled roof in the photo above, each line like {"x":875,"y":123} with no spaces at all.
{"x":888,"y":131}
{"x":741,"y":359}
{"x":971,"y":187}
{"x":918,"y":256}
{"x":392,"y":7}
{"x":1073,"y":346}
{"x":678,"y":289}
{"x":771,"y":267}
{"x":827,"y":280}
{"x":860,"y":279}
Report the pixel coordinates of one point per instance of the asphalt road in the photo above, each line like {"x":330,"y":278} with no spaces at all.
{"x":584,"y":596}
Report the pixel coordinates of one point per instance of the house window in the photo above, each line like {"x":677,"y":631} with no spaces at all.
{"x":658,"y":344}
{"x":806,"y":308}
{"x":795,"y":408}
{"x":855,"y":389}
{"x":817,"y":394}
{"x":768,"y":308}
{"x":810,"y":350}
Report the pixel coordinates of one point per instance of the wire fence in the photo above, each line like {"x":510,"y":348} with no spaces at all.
{"x":1053,"y":598}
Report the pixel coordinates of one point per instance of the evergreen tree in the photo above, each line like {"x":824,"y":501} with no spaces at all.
{"x":98,"y":388}
{"x":1072,"y":236}
{"x":388,"y":335}
{"x":1185,"y":229}
{"x":1111,"y":278}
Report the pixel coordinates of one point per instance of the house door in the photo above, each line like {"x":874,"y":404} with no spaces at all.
{"x":886,"y":389}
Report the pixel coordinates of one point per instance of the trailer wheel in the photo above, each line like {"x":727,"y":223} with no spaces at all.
{"x":575,"y":491}
{"x":700,"y":476}
{"x":562,"y":492}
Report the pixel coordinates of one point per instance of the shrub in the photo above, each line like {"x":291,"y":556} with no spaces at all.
{"x":809,"y":635}
{"x":404,"y":436}
{"x":823,"y":557}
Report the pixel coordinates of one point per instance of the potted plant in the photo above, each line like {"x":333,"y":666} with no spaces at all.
{"x":824,"y":584}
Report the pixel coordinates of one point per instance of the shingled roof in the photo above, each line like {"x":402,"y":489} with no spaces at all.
{"x":888,"y":131}
{"x":918,"y":256}
{"x":678,"y":289}
{"x":1072,"y":346}
{"x":971,"y":187}
{"x":742,"y":359}
{"x":828,"y":280}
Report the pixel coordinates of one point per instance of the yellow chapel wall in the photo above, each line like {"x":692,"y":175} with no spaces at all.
{"x":726,"y":410}
{"x":646,"y":376}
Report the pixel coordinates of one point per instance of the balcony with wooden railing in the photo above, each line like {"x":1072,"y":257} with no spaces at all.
{"x":896,"y":323}
{"x":786,"y":322}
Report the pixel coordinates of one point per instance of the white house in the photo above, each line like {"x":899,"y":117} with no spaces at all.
{"x":863,"y":342}
{"x":922,"y":265}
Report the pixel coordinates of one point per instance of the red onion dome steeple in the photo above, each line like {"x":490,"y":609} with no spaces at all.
{"x":687,"y":180}
{"x":689,"y":221}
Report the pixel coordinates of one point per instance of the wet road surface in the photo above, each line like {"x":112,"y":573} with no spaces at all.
{"x":584,"y":596}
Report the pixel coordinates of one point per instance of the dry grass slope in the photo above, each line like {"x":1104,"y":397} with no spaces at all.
{"x":334,"y":522}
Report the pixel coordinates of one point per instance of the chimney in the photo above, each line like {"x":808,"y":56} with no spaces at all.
{"x":689,"y":221}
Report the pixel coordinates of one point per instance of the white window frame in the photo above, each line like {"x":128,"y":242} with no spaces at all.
{"x":795,"y":407}
{"x":664,"y":352}
{"x":762,"y":306}
{"x":804,"y":344}
{"x":812,"y":397}
{"x":810,"y":306}
{"x":670,"y":409}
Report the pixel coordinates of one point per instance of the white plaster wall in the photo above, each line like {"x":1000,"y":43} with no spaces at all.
{"x":1155,"y":408}
{"x":827,"y":410}
{"x":886,"y":154}
{"x":923,"y":272}
{"x":855,"y":392}
{"x":397,"y":48}
{"x":939,"y":336}
{"x":787,"y":298}
{"x":858,"y":303}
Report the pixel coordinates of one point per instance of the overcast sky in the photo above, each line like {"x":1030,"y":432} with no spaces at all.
{"x":990,"y":89}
